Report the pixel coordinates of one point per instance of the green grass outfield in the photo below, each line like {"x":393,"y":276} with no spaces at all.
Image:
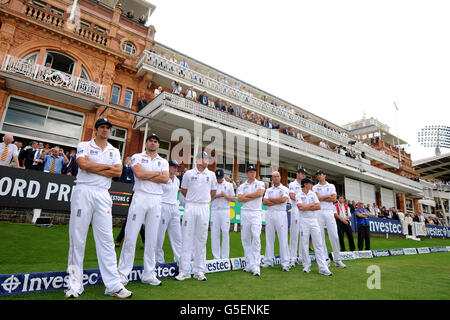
{"x":29,"y":249}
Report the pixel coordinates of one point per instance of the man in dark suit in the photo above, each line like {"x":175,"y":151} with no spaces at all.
{"x":127,"y":174}
{"x":27,"y":155}
{"x":71,"y":168}
{"x":203,"y":98}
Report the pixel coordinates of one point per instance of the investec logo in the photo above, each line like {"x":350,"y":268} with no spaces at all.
{"x":36,"y":282}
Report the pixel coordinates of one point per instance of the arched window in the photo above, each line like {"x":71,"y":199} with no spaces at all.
{"x":32,"y":57}
{"x":83,"y":74}
{"x":129,"y":47}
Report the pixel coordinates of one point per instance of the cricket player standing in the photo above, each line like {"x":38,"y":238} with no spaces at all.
{"x":198,"y":187}
{"x":151,"y":172}
{"x":294,"y":188}
{"x":250,"y":193}
{"x":308,"y":206}
{"x":220,"y":217}
{"x":326,"y":193}
{"x":276,"y":221}
{"x":98,"y":162}
{"x":170,"y":216}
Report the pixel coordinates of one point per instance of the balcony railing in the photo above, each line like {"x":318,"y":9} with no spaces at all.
{"x":160,"y":63}
{"x":247,"y":127}
{"x":52,"y":77}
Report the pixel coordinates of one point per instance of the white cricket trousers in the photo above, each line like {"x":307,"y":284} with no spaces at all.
{"x":276,"y":221}
{"x":294,"y":231}
{"x":310,"y":227}
{"x":170,"y":222}
{"x":145,"y":209}
{"x":326,"y":219}
{"x":220,"y":223}
{"x":194,"y":233}
{"x":92,"y":205}
{"x":251,"y":224}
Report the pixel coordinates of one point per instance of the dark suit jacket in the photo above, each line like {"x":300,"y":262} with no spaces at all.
{"x":71,"y":166}
{"x":27,"y":157}
{"x":127,"y":173}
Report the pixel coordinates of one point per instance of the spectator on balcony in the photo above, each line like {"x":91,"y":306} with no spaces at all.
{"x":219,"y":105}
{"x":230,"y":109}
{"x":142,"y":19}
{"x":267,"y":123}
{"x":238,"y":111}
{"x":300,"y":136}
{"x":173,"y":59}
{"x":130,"y":14}
{"x":191,"y":94}
{"x":54,"y":160}
{"x":203,"y":98}
{"x":183,"y":63}
{"x":176,"y":88}
{"x":158,"y":91}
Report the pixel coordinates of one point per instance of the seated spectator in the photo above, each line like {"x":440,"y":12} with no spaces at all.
{"x":130,"y":14}
{"x":54,"y":160}
{"x":142,"y":19}
{"x":203,"y":98}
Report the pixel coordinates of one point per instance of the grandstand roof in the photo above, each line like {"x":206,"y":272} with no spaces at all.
{"x":434,"y":168}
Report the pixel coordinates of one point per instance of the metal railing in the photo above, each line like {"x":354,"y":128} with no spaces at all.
{"x":249,"y":128}
{"x":52,"y":77}
{"x":160,"y":63}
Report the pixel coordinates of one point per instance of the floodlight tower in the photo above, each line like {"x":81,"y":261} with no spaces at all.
{"x":436,"y":136}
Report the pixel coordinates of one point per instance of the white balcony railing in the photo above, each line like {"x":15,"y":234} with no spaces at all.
{"x":246,"y":127}
{"x":52,"y":77}
{"x":160,"y":63}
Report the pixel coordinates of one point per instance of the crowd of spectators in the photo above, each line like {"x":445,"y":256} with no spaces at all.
{"x":40,"y":156}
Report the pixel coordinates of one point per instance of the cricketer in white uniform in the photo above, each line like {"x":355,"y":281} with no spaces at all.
{"x":294,"y":188}
{"x":326,"y":193}
{"x":8,"y":151}
{"x":151,"y":172}
{"x":250,"y":194}
{"x":308,"y":206}
{"x":198,"y":187}
{"x":170,"y":216}
{"x":220,"y":217}
{"x":98,"y":162}
{"x":275,"y":199}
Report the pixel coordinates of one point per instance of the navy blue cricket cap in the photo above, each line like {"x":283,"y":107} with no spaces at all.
{"x":250,"y":168}
{"x":202,"y":154}
{"x":173,"y":163}
{"x":153,"y":135}
{"x":101,"y":121}
{"x":320,"y":171}
{"x":219,"y":174}
{"x":306,"y":180}
{"x":302,"y":170}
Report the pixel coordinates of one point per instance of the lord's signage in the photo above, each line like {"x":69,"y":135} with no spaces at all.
{"x":39,"y":190}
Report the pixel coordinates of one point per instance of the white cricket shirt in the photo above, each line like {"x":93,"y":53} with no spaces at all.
{"x":277,"y":192}
{"x":325,"y":190}
{"x":294,"y":187}
{"x":309,"y":198}
{"x":158,"y":164}
{"x":246,"y":188}
{"x":222,"y":203}
{"x":199,"y":185}
{"x":109,"y":155}
{"x":170,"y":191}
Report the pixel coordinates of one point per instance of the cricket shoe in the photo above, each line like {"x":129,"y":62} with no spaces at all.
{"x":306,"y":270}
{"x":326,"y":272}
{"x":122,"y":293}
{"x":181,"y":277}
{"x":256,"y":273}
{"x":286,"y":269}
{"x":153,"y":280}
{"x":200,"y":276}
{"x":340,"y":264}
{"x":71,"y":294}
{"x":247,"y":269}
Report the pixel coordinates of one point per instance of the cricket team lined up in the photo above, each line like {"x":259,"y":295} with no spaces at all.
{"x":154,"y":205}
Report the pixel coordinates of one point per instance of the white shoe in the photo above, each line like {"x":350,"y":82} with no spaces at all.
{"x":292,"y":264}
{"x":256,"y":273}
{"x":286,"y":269}
{"x":153,"y":281}
{"x":200,"y":276}
{"x":266,"y":265}
{"x":340,"y":264}
{"x":122,"y":293}
{"x":71,"y":294}
{"x":325,"y":272}
{"x":306,"y":270}
{"x":181,"y":277}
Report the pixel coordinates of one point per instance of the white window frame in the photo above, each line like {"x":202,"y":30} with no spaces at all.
{"x":129,"y":47}
{"x":120,"y":93}
{"x":131,"y":99}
